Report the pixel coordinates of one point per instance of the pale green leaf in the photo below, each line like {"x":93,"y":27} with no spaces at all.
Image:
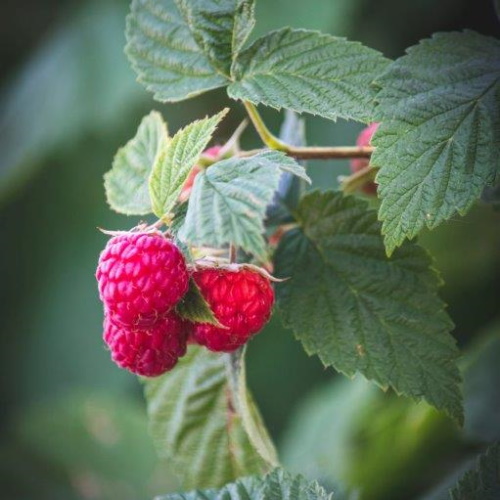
{"x":229,"y":199}
{"x":219,"y":27}
{"x":438,"y":144}
{"x":193,"y":306}
{"x":173,"y":165}
{"x":361,"y":311}
{"x":307,"y":71}
{"x":126,"y":183}
{"x":181,"y":48}
{"x":483,"y":482}
{"x":195,"y":426}
{"x":246,"y":408}
{"x":277,"y":485}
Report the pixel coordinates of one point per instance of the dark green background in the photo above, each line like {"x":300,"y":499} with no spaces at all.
{"x":69,"y":100}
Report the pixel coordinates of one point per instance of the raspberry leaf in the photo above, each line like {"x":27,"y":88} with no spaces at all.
{"x":229,"y":199}
{"x":195,"y":426}
{"x":483,"y":482}
{"x":181,"y":48}
{"x":251,"y":419}
{"x":173,"y":165}
{"x":195,"y":308}
{"x":126,"y":183}
{"x":437,"y":147}
{"x":307,"y":71}
{"x":277,"y":484}
{"x":219,"y":27}
{"x":361,"y":311}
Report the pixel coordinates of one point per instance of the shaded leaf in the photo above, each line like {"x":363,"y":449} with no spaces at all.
{"x":195,"y":426}
{"x":194,"y":307}
{"x":361,"y":311}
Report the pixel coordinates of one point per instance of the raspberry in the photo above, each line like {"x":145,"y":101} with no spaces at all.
{"x":241,"y":299}
{"x":212,"y":153}
{"x":141,"y":277}
{"x":357,"y":164}
{"x":147,"y":351}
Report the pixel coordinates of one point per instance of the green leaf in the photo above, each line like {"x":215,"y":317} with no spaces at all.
{"x":195,"y":426}
{"x":126,"y":183}
{"x":278,"y":484}
{"x":173,"y":165}
{"x":229,"y":199}
{"x":194,"y":307}
{"x":307,"y":71}
{"x":246,"y":408}
{"x":361,"y":311}
{"x":438,"y":144}
{"x":483,"y":482}
{"x":219,"y":27}
{"x":181,"y":48}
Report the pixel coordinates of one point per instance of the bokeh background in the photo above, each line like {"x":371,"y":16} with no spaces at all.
{"x":72,"y":424}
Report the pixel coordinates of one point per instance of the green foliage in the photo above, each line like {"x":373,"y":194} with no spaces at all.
{"x":482,"y":483}
{"x":361,"y":311}
{"x":307,"y":71}
{"x":194,"y":423}
{"x":126,"y":184}
{"x":194,"y":307}
{"x":173,"y":165}
{"x":219,"y":27}
{"x":277,"y":484}
{"x":164,"y":53}
{"x":438,"y":143}
{"x":229,"y":199}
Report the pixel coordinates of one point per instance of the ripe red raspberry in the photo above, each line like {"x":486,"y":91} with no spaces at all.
{"x":147,"y":351}
{"x":213,"y":153}
{"x":241,"y":299}
{"x":357,"y":164}
{"x":141,"y":277}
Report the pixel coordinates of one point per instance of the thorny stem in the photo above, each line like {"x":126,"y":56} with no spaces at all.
{"x":355,"y":181}
{"x":303,"y":153}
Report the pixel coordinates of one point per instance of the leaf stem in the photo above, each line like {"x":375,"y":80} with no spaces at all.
{"x":355,"y":181}
{"x":232,"y":253}
{"x":303,"y":153}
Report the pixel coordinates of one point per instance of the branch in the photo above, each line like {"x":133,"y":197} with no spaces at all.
{"x":303,"y":153}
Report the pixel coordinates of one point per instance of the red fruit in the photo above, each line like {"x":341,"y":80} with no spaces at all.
{"x":357,"y":164}
{"x":241,"y":299}
{"x":147,"y":351}
{"x":141,"y":277}
{"x":213,"y":153}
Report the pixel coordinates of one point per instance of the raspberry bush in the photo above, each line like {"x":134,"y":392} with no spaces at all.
{"x":231,"y":231}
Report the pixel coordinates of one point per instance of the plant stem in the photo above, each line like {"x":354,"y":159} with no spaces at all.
{"x":355,"y":181}
{"x":303,"y":153}
{"x":232,"y":254}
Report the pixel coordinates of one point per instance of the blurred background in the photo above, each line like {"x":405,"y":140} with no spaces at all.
{"x":73,"y":425}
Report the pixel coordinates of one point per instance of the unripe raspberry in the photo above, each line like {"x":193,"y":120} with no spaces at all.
{"x":213,"y":153}
{"x":357,"y":164}
{"x":147,"y":351}
{"x":141,"y":277}
{"x":241,"y":299}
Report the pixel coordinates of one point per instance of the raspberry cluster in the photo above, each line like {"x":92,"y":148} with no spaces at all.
{"x":142,"y":276}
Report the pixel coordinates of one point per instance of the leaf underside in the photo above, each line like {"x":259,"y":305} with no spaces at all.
{"x":194,"y":426}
